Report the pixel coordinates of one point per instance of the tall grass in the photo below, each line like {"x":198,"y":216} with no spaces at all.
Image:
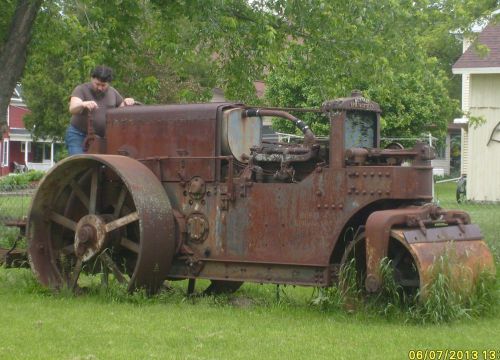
{"x":451,"y":295}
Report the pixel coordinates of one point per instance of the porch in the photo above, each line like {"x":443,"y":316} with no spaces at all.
{"x":20,"y":153}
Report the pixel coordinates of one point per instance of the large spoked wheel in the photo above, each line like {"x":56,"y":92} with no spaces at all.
{"x":102,"y":214}
{"x":404,"y":269}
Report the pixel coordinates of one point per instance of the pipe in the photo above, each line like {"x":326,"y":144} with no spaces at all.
{"x":309,"y":138}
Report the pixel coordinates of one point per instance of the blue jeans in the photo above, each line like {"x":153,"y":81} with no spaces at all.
{"x":74,"y":140}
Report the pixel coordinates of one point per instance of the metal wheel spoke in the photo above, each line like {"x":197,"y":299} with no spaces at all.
{"x":109,"y":263}
{"x":76,"y":274}
{"x":63,"y":221}
{"x":77,"y":190}
{"x":93,"y":192}
{"x":130,"y":245}
{"x":120,"y":201}
{"x":125,"y":220}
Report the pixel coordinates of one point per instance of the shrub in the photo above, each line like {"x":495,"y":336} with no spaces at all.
{"x":20,"y":181}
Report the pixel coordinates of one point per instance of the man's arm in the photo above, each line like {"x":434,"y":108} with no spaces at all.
{"x":76,"y":105}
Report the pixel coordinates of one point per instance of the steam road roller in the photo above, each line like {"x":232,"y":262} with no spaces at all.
{"x":194,"y":192}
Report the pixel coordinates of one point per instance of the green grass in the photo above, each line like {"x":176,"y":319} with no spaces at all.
{"x":14,"y":207}
{"x":250,"y":325}
{"x":486,"y":216}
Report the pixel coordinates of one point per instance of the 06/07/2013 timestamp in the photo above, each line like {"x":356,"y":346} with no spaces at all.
{"x":448,"y":354}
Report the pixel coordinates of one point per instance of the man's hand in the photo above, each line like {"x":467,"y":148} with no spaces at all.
{"x":128,"y":102}
{"x":77,"y":105}
{"x":90,"y":105}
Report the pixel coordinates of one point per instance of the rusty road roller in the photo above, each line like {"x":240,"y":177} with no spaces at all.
{"x":193,"y":192}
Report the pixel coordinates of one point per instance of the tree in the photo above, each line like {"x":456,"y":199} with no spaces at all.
{"x":161,"y":51}
{"x":307,"y":51}
{"x":13,"y":48}
{"x":392,"y":51}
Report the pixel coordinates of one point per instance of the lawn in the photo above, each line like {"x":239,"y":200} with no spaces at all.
{"x":253,"y":323}
{"x":250,"y":325}
{"x":486,"y":215}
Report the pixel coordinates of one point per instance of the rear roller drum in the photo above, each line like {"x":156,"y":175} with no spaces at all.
{"x":101,"y":214}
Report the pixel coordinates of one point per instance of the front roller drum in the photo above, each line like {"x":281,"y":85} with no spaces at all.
{"x":460,"y":251}
{"x":104,"y":214}
{"x":415,"y":257}
{"x":426,"y":233}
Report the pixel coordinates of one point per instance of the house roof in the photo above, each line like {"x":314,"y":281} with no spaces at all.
{"x":472,"y":63}
{"x":17,"y":96}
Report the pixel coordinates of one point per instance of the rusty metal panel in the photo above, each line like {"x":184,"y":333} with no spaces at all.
{"x":466,"y":259}
{"x":291,"y":222}
{"x":167,"y":131}
{"x":444,"y":233}
{"x":256,"y":272}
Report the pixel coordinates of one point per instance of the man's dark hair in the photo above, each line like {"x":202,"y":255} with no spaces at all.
{"x":102,"y":73}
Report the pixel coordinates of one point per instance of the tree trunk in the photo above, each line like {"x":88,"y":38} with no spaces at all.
{"x":13,"y":52}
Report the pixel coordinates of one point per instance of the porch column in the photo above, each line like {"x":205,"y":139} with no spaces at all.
{"x":51,"y":154}
{"x":26,"y":153}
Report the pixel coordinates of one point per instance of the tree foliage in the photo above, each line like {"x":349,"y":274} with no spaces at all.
{"x":398,"y":52}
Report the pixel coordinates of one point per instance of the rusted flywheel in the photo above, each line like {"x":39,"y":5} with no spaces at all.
{"x":103,"y":214}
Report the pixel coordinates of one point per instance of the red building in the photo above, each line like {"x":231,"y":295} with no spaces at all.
{"x":18,"y":152}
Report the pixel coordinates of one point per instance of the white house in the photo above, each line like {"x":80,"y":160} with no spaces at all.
{"x":481,"y":98}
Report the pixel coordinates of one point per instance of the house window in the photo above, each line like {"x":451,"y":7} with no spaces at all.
{"x":23,"y":147}
{"x":41,"y":152}
{"x":5,"y":153}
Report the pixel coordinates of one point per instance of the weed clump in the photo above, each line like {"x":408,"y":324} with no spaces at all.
{"x":452,"y":294}
{"x":347,"y":295}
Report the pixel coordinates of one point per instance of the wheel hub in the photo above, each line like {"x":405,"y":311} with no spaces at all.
{"x":90,"y":237}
